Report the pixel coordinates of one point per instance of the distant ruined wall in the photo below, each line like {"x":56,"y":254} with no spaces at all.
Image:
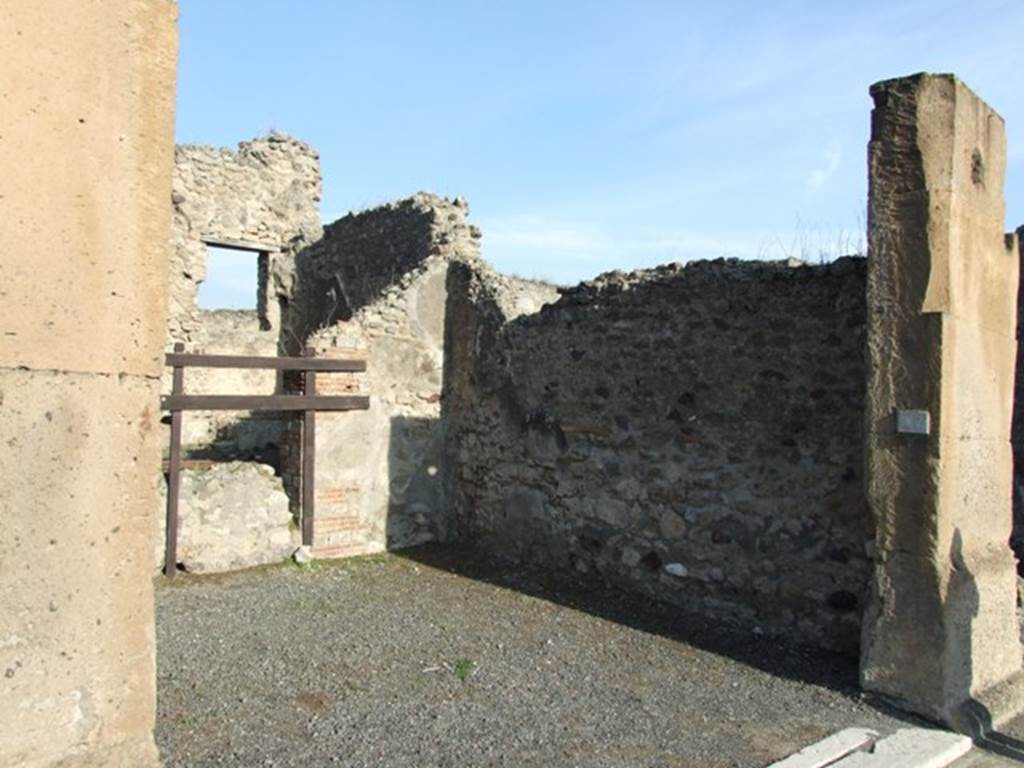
{"x":375,"y":286}
{"x":264,"y":195}
{"x":266,"y":192}
{"x":694,"y":433}
{"x":370,"y":256}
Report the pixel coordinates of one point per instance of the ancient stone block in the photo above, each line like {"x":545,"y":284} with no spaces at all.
{"x":232,"y":515}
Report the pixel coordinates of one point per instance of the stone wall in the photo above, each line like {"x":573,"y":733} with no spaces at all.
{"x":268,"y":192}
{"x":86,"y":140}
{"x":694,"y":433}
{"x":370,"y":257}
{"x":233,"y":514}
{"x":265,"y":194}
{"x":375,"y":286}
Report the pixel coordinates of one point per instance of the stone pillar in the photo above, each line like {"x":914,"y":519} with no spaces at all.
{"x":1017,"y":430}
{"x":86,"y":148}
{"x":940,"y":634}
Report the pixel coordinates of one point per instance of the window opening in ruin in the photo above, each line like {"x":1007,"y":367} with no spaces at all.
{"x":236,"y":278}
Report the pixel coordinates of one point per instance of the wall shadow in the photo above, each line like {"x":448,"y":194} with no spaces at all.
{"x":416,"y":511}
{"x":419,"y":528}
{"x":972,"y":716}
{"x":473,"y":323}
{"x":782,"y":658}
{"x":608,"y":433}
{"x":976,"y":722}
{"x":247,"y":439}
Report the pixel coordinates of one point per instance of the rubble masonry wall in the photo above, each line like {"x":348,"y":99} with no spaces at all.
{"x":694,"y":433}
{"x":375,"y":286}
{"x":266,"y":192}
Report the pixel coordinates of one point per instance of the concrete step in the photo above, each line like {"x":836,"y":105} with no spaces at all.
{"x":830,"y":749}
{"x":861,"y":748}
{"x":911,"y":748}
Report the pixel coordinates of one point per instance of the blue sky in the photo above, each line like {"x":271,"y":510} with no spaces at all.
{"x":590,"y":136}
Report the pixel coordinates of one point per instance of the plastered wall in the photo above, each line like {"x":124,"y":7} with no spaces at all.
{"x":88,"y":95}
{"x":942,"y":633}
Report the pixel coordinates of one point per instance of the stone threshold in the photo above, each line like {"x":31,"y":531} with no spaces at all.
{"x":861,"y":748}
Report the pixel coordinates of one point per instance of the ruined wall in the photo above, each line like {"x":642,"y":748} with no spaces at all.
{"x":267,"y":192}
{"x":694,"y":433}
{"x":375,"y":286}
{"x":371,"y":256}
{"x":86,"y":138}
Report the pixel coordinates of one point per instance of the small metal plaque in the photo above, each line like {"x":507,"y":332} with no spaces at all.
{"x":913,"y":422}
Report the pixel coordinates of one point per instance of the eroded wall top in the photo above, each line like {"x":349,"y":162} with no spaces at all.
{"x":267,"y":192}
{"x":365,"y":256}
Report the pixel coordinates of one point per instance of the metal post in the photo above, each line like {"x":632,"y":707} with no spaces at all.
{"x":174,"y":473}
{"x":308,"y":455}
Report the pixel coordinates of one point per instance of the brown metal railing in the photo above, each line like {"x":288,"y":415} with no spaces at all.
{"x":308,"y":402}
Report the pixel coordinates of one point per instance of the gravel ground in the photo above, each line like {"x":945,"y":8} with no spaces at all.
{"x":399,"y":660}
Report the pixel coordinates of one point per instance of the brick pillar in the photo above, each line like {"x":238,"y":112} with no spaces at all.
{"x":940,"y":634}
{"x":341,"y":527}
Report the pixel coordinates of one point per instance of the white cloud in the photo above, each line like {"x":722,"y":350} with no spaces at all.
{"x":540,"y":233}
{"x":590,"y":242}
{"x":820,"y":175}
{"x":567,"y":250}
